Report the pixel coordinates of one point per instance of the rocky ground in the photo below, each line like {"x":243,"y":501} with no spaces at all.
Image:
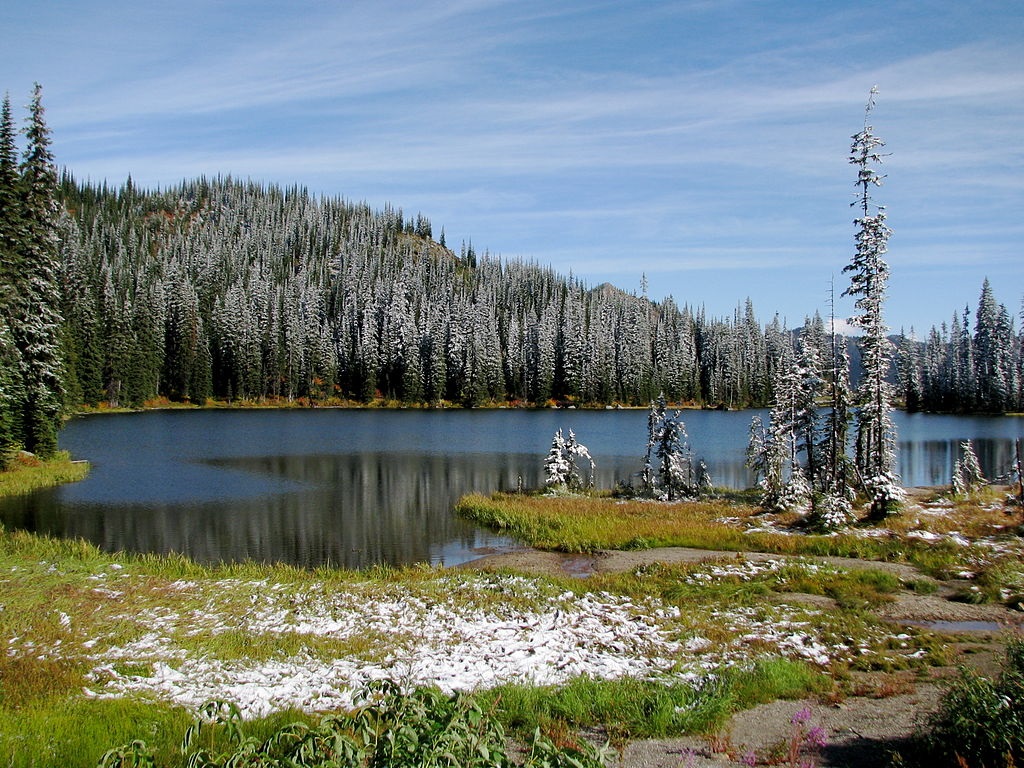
{"x":862,"y":729}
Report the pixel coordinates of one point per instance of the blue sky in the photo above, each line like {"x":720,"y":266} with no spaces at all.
{"x":703,"y":143}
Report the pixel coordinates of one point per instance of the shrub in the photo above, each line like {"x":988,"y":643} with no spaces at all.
{"x":980,"y":723}
{"x":399,"y":730}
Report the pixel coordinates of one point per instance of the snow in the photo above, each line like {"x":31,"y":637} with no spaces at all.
{"x":459,"y":632}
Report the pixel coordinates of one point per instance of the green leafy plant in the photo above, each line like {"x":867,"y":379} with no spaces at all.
{"x":424,"y":728}
{"x":980,"y":723}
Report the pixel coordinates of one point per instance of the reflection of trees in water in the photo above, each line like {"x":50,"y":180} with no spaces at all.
{"x":930,"y":462}
{"x":358,"y":509}
{"x":354,"y":510}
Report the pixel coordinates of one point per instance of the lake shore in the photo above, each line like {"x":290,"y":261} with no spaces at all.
{"x":885,"y":632}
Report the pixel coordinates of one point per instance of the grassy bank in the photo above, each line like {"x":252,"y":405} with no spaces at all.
{"x":936,"y":535}
{"x":104,"y":649}
{"x":26,"y":473}
{"x":101,"y":650}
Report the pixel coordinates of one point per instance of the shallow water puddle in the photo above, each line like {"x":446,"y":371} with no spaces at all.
{"x":959,"y":626}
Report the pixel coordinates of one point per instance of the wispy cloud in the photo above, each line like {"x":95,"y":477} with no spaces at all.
{"x":677,"y":137}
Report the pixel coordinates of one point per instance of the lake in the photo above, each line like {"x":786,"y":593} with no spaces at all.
{"x":354,"y":488}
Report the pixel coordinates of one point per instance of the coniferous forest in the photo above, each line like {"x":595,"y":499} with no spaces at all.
{"x":231,"y":290}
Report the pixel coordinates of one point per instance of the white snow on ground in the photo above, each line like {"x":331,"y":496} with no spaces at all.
{"x":749,"y":570}
{"x":465,"y":632}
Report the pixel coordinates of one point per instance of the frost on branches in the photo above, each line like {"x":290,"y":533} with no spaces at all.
{"x":869,"y":274}
{"x":773,"y":452}
{"x":967,"y":474}
{"x":563,"y":467}
{"x":669,"y":473}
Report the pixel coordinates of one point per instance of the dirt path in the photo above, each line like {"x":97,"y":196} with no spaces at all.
{"x":618,"y":561}
{"x":862,"y":729}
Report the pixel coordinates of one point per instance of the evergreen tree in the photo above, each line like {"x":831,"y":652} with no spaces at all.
{"x":11,"y":234}
{"x":669,"y":471}
{"x":35,"y":319}
{"x":10,"y":395}
{"x":832,"y":508}
{"x":774,"y":451}
{"x":967,"y":475}
{"x":563,"y":469}
{"x":869,"y":275}
{"x":989,"y":349}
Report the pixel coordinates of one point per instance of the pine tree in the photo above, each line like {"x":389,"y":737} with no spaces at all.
{"x":869,"y":275}
{"x":967,"y":474}
{"x":563,"y":468}
{"x":669,"y":471}
{"x":11,"y":234}
{"x":835,"y":481}
{"x":11,"y":395}
{"x":10,"y":360}
{"x":36,"y":319}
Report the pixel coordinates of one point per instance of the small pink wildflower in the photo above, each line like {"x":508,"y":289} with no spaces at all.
{"x":801,"y":716}
{"x":817,"y":737}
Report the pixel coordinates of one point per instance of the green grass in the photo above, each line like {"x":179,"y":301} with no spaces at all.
{"x":630,"y":708}
{"x":587,"y":524}
{"x":979,"y":722}
{"x":26,"y":473}
{"x":75,"y":733}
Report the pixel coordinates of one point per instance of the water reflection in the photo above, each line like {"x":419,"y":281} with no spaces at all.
{"x":355,"y":488}
{"x":351,"y":510}
{"x":931,"y":462}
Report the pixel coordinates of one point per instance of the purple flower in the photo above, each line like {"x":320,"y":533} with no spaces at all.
{"x":801,"y":716}
{"x":817,"y":737}
{"x":749,"y":758}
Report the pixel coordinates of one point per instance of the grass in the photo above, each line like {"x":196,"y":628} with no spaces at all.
{"x":590,"y":523}
{"x":653,"y":708}
{"x":26,"y":473}
{"x":59,"y":596}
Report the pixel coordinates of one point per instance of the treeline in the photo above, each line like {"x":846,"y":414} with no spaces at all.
{"x":31,"y":374}
{"x":959,"y":370}
{"x":231,"y":290}
{"x":236,"y":291}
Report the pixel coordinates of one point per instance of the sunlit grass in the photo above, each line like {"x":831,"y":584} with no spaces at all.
{"x":631,"y":708}
{"x":585,"y":524}
{"x":75,"y":733}
{"x":26,"y":473}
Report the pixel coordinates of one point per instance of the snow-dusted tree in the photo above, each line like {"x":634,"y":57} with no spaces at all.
{"x":36,"y":316}
{"x":967,"y":474}
{"x":557,"y":467}
{"x":869,"y":275}
{"x":705,"y":483}
{"x":563,"y":467}
{"x":774,"y":451}
{"x":10,"y":205}
{"x":10,"y":395}
{"x":832,"y":502}
{"x":836,"y":468}
{"x":669,"y":471}
{"x":909,"y":371}
{"x":994,"y":348}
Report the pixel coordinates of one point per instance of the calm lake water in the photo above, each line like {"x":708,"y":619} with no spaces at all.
{"x":359,"y":487}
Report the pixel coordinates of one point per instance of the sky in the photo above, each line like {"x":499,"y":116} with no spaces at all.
{"x":703,"y":144}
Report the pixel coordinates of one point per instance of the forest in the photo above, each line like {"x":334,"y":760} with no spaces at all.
{"x":235,"y":291}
